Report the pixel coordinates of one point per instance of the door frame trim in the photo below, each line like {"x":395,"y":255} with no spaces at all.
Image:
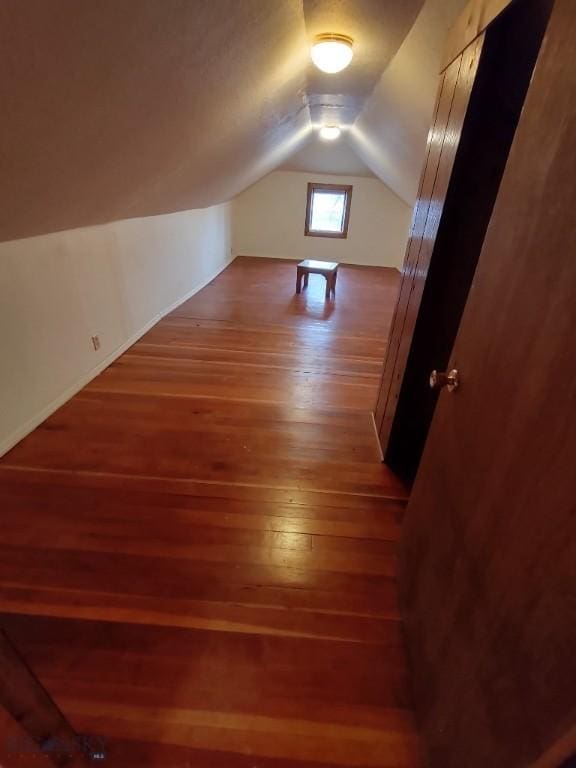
{"x":476,"y":16}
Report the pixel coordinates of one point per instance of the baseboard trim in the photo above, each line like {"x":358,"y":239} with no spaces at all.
{"x":347,"y":264}
{"x":19,"y":434}
{"x":376,"y":436}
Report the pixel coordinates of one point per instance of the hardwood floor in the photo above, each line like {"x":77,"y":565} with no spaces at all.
{"x":198,"y":550}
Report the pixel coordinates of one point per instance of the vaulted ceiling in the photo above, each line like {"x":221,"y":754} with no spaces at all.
{"x":327,"y":157}
{"x":114,"y":109}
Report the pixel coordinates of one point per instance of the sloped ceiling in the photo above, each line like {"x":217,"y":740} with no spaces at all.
{"x":122,"y":108}
{"x":378,"y":28}
{"x":390,"y":133}
{"x":335,"y":157}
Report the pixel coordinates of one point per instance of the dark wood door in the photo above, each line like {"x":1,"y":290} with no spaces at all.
{"x":509,"y":53}
{"x":488,"y":575}
{"x":453,"y":96}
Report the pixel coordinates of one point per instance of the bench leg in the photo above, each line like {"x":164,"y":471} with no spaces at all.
{"x":298,"y":280}
{"x":328,"y":285}
{"x":334,"y":276}
{"x":306,"y":276}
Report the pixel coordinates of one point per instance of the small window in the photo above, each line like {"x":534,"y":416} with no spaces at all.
{"x":328,"y":210}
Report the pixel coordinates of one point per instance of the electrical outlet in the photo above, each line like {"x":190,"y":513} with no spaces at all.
{"x":96,"y":342}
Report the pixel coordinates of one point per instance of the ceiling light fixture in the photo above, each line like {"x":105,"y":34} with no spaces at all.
{"x":329,"y":132}
{"x":332,"y":53}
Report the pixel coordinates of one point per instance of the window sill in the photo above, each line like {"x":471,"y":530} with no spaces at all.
{"x":338,"y":235}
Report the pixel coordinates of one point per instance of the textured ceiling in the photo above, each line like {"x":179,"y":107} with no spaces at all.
{"x":378,"y":28}
{"x":121,"y":108}
{"x":336,"y":157}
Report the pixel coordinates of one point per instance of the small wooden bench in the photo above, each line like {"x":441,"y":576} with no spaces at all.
{"x":311,"y":267}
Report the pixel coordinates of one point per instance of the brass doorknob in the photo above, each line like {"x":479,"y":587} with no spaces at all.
{"x":441,"y":379}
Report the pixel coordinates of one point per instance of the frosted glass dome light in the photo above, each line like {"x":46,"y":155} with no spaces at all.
{"x":332,"y":53}
{"x":329,"y":132}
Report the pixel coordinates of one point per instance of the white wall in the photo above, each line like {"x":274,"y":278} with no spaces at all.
{"x":114,"y":281}
{"x":390,"y":133}
{"x":268,"y":220}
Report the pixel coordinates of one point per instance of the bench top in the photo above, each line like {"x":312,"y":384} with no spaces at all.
{"x":324,"y":266}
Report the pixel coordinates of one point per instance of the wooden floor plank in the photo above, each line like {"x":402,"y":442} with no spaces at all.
{"x":198,"y":559}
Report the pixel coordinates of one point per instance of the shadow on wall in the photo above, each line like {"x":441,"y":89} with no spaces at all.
{"x":113,"y":281}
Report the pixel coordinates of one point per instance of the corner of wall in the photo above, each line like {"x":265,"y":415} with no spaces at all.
{"x":192,"y":235}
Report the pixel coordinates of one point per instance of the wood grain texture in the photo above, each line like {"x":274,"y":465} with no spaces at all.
{"x":489,"y":574}
{"x":421,"y":208}
{"x":199,"y":551}
{"x":509,"y":52}
{"x":443,"y":143}
{"x":17,"y":747}
{"x":473,"y":20}
{"x":26,"y":701}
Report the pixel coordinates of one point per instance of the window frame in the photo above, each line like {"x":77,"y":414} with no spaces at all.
{"x":347,"y":190}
